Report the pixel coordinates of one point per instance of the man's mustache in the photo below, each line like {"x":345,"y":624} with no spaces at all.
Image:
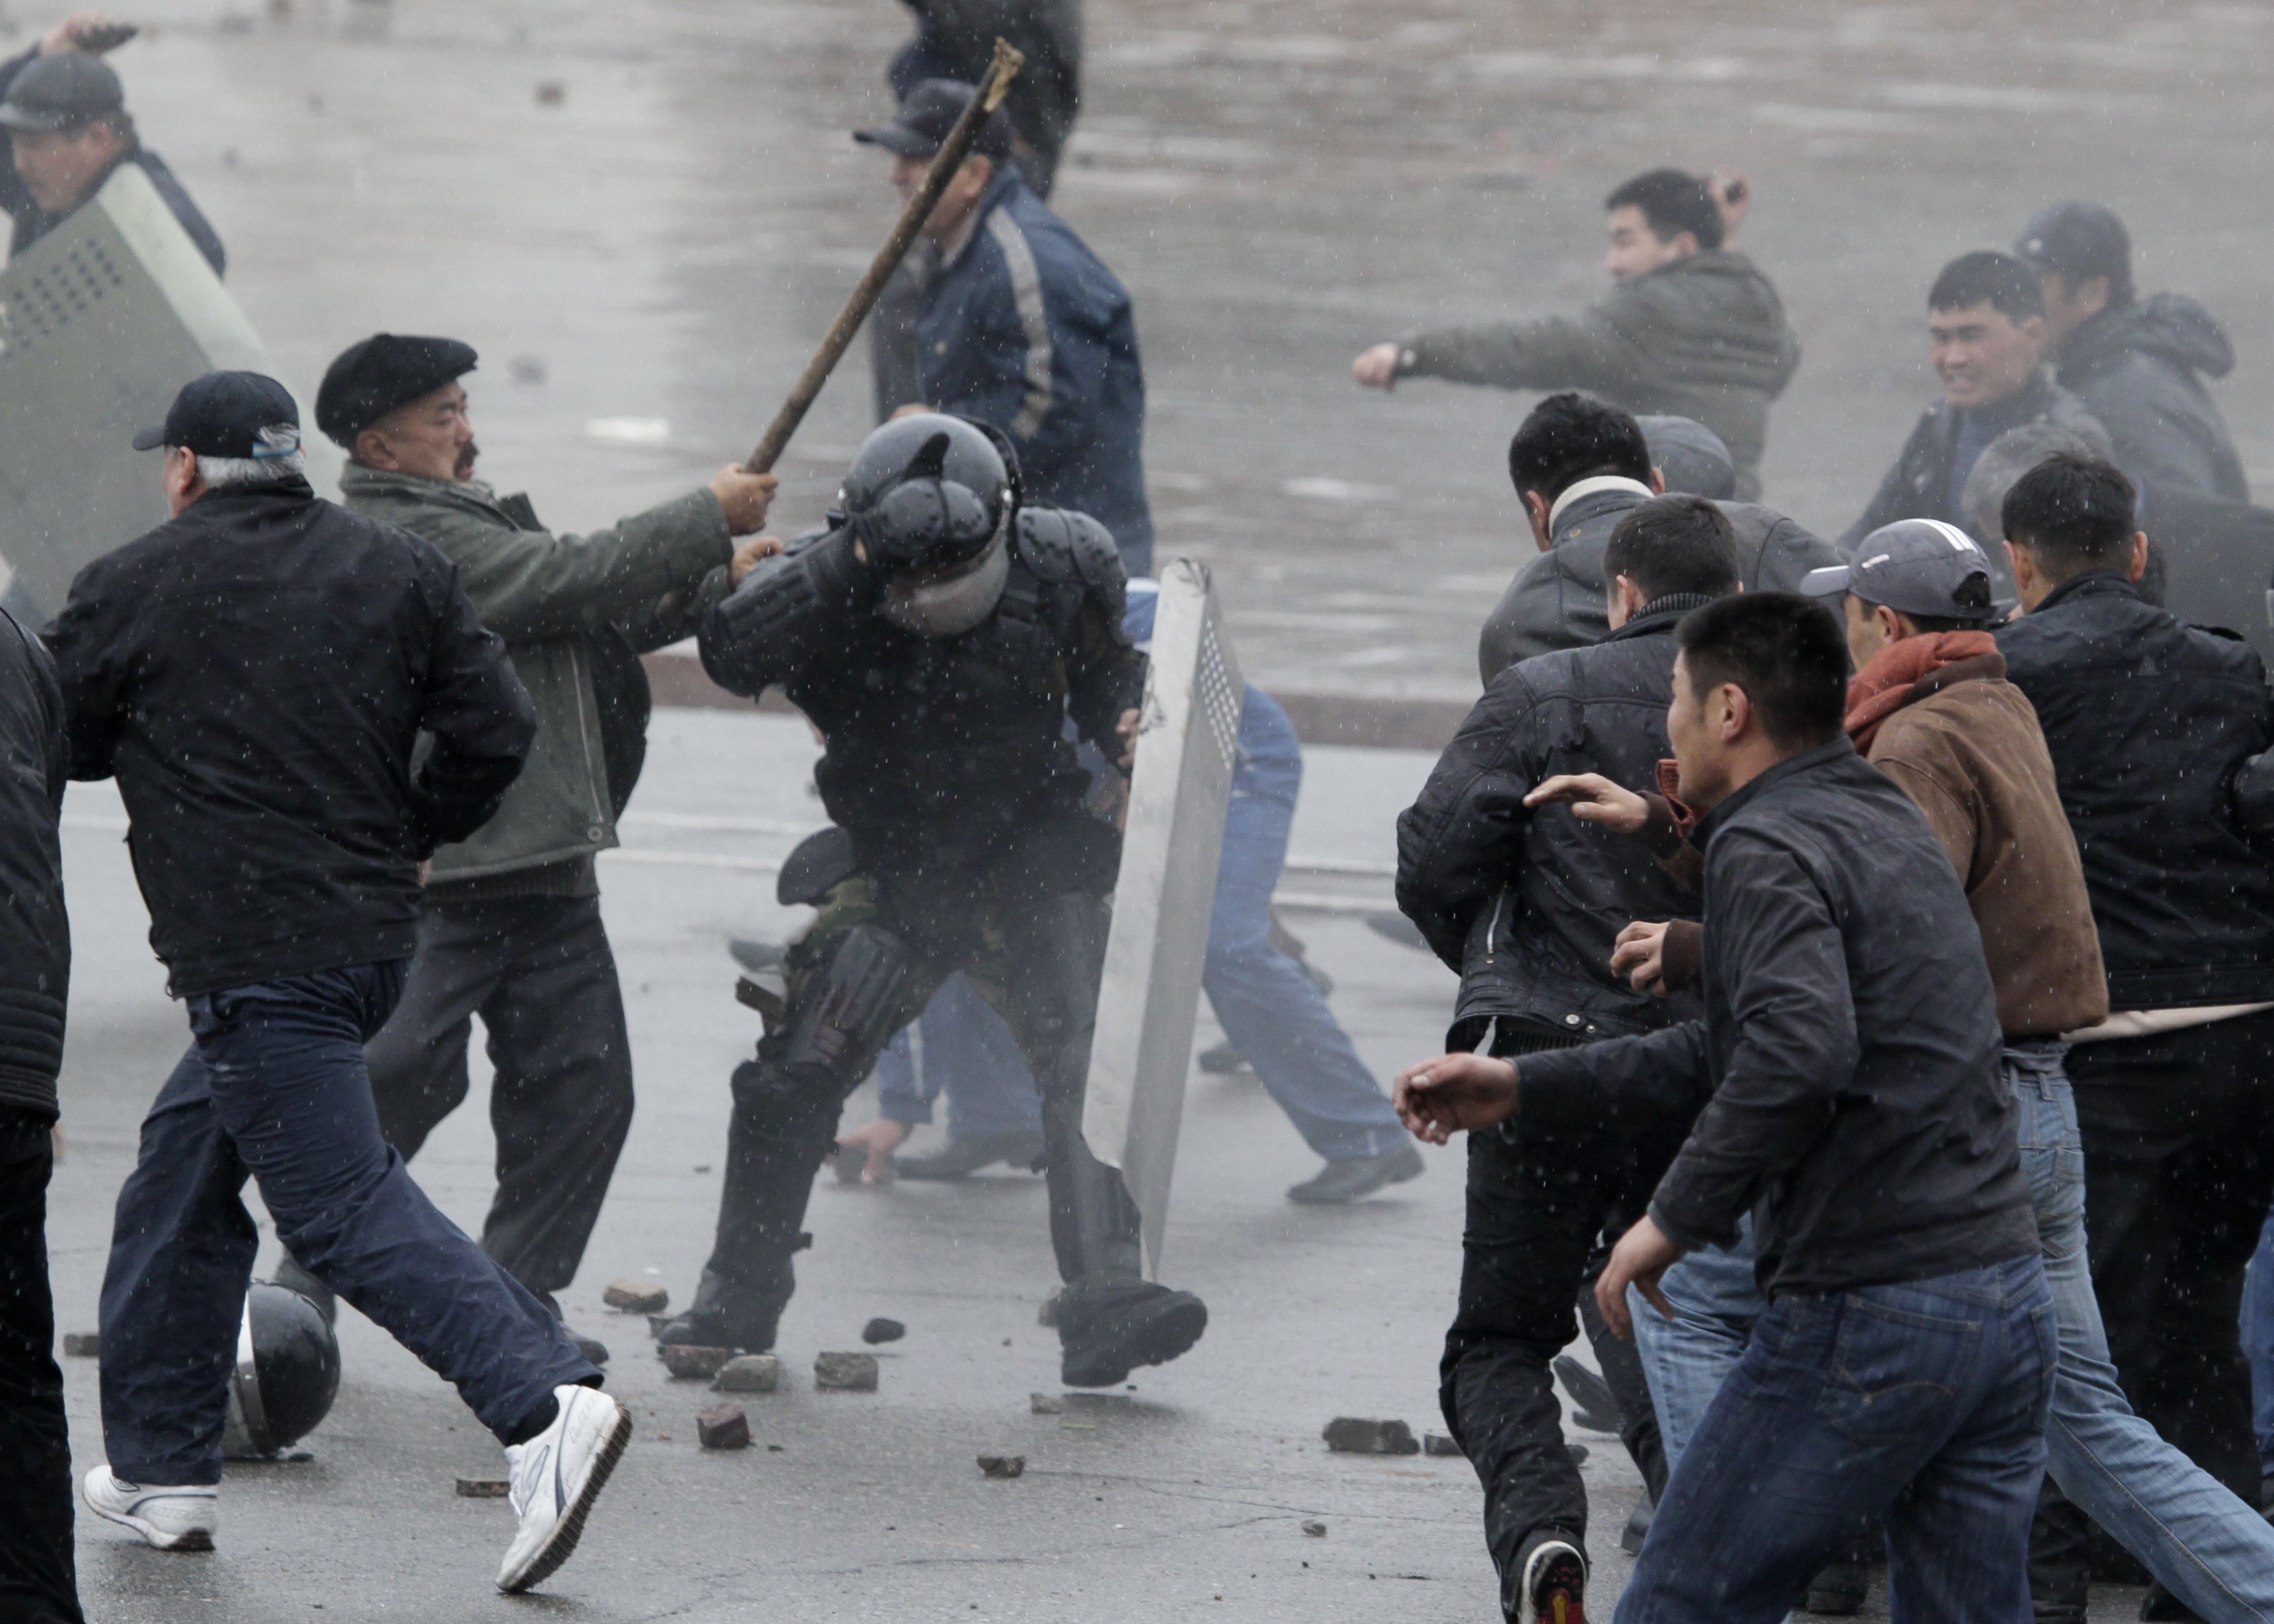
{"x":466,"y":459}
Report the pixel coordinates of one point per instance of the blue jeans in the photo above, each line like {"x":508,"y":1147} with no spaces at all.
{"x":2258,"y":1343}
{"x":1277,"y":1020}
{"x":273,"y":1085}
{"x":1923,"y":1405}
{"x":2208,"y":1548}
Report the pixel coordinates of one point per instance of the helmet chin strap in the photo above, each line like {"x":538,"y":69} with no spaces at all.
{"x":949,"y":606}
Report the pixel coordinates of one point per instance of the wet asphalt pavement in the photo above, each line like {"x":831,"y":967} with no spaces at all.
{"x":644,"y":261}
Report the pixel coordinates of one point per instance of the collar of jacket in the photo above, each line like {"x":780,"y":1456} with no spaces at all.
{"x":1595,"y":486}
{"x":1791,"y":766}
{"x":470,"y":494}
{"x":1659,"y":615}
{"x":2091,"y":584}
{"x":1902,"y":674}
{"x":997,"y":193}
{"x":216,"y":505}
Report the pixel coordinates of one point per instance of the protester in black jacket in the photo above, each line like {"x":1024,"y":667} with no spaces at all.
{"x":2158,"y":731}
{"x":1526,"y":905}
{"x":1845,"y":1086}
{"x":37,"y":1581}
{"x":257,"y":672}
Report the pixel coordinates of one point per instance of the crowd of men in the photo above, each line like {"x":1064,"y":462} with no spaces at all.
{"x":1866,"y":948}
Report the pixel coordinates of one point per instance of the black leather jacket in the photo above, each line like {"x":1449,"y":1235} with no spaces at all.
{"x":1526,"y":905}
{"x":35,"y":935}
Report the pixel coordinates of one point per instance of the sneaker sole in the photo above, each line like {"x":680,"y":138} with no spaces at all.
{"x":1559,"y":1594}
{"x":1169,"y":1337}
{"x":570,"y":1528}
{"x":195,"y":1540}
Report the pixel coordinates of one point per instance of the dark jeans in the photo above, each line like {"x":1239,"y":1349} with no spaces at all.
{"x":538,"y":971}
{"x":273,"y":1085}
{"x":2178,"y":1167}
{"x":1923,"y":1403}
{"x":37,"y":1583}
{"x":1536,"y":1210}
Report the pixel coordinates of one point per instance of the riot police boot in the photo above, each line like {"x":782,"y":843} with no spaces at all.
{"x":724,"y":1314}
{"x":1108,"y":1328}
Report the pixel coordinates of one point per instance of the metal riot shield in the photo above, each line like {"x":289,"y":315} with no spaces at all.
{"x":1187,"y":739}
{"x":102,"y":321}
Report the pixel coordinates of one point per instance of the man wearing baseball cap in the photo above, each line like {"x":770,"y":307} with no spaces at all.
{"x":2139,"y":365}
{"x":256,"y":673}
{"x":512,"y":929}
{"x":65,"y":115}
{"x":1023,"y":327}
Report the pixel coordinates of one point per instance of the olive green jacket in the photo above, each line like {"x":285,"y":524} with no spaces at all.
{"x":575,"y":612}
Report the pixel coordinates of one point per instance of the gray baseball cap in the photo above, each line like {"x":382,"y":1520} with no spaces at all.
{"x":1913,"y":566}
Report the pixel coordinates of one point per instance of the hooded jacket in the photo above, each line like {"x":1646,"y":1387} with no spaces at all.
{"x":34,"y":934}
{"x":575,"y":612}
{"x":2139,"y":369}
{"x":1918,"y":486}
{"x":1703,"y":337}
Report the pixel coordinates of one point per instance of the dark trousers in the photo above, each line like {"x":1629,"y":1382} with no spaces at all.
{"x":273,"y":1085}
{"x":538,"y":971}
{"x":2178,"y":1167}
{"x":37,"y":1581}
{"x":1538,"y":1209}
{"x":1924,"y":1404}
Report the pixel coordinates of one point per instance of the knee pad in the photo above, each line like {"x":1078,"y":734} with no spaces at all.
{"x":842,"y":1013}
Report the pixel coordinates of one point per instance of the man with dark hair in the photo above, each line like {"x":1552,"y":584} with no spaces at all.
{"x":2138,"y":364}
{"x":65,"y":115}
{"x":2159,"y":734}
{"x":1524,"y":905}
{"x":1850,"y":1026}
{"x":1689,"y":326}
{"x":38,"y":1582}
{"x":1986,"y":334}
{"x":1774,"y":553}
{"x":1578,"y":465}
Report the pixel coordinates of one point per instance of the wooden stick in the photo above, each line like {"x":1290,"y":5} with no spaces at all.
{"x":945,"y":163}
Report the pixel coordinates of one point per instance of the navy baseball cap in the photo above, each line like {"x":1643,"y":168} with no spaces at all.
{"x":229,"y":414}
{"x":1913,"y":566}
{"x":2078,"y":240}
{"x":61,"y":91}
{"x":920,"y":128}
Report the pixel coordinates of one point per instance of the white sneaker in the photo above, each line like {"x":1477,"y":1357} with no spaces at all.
{"x":556,"y":1476}
{"x":181,"y":1518}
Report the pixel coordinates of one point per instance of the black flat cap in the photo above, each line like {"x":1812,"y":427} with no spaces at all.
{"x":61,"y":91}
{"x":920,"y":126}
{"x":229,"y":414}
{"x":386,"y":369}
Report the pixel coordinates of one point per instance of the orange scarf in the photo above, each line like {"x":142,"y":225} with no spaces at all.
{"x":1908,"y":671}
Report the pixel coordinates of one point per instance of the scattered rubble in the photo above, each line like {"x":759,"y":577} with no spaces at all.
{"x":1047,"y":1315}
{"x":1316,"y":1530}
{"x":636,"y":1297}
{"x":882,"y":1331}
{"x":1357,"y":1435}
{"x":1437,"y":1443}
{"x":682,"y":1360}
{"x":483,"y":1488}
{"x":1045,"y":1404}
{"x":845,"y":1373}
{"x":1001,"y":1465}
{"x":550,"y":93}
{"x":723,"y":1427}
{"x":752,"y":1373}
{"x":82,"y":1344}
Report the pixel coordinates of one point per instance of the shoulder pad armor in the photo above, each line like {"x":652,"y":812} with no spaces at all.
{"x":1059,"y":545}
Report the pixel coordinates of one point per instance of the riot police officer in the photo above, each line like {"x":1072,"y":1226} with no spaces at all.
{"x":939,"y":639}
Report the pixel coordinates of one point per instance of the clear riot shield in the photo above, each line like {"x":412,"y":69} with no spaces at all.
{"x":102,"y":321}
{"x":1187,"y":740}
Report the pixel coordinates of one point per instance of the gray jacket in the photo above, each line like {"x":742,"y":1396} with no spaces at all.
{"x":1705,"y":337}
{"x":1557,"y":600}
{"x":575,"y":612}
{"x":2140,"y":370}
{"x":1916,"y":486}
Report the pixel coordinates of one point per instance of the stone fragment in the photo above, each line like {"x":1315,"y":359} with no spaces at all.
{"x":1357,"y":1435}
{"x":1577,"y":1452}
{"x":550,"y":93}
{"x":724,"y":1428}
{"x":845,"y":1373}
{"x":682,"y":1360}
{"x":1045,"y":1404}
{"x":636,"y":1297}
{"x":1001,"y":1465}
{"x":753,"y":1373}
{"x":882,"y":1331}
{"x":1316,"y":1530}
{"x":1047,"y":1315}
{"x":82,"y":1344}
{"x":1437,"y":1443}
{"x":483,"y":1488}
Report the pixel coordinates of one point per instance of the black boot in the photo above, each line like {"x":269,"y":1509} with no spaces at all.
{"x":1108,"y":1328}
{"x":724,"y":1315}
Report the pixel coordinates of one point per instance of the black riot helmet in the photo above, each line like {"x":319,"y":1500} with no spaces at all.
{"x":286,"y":1374}
{"x":927,"y":491}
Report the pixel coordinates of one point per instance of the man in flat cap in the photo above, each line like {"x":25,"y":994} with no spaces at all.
{"x":1023,"y":327}
{"x":512,"y":930}
{"x":65,"y":115}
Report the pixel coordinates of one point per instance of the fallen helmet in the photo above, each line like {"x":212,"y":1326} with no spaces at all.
{"x":928,"y":490}
{"x":285,"y":1377}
